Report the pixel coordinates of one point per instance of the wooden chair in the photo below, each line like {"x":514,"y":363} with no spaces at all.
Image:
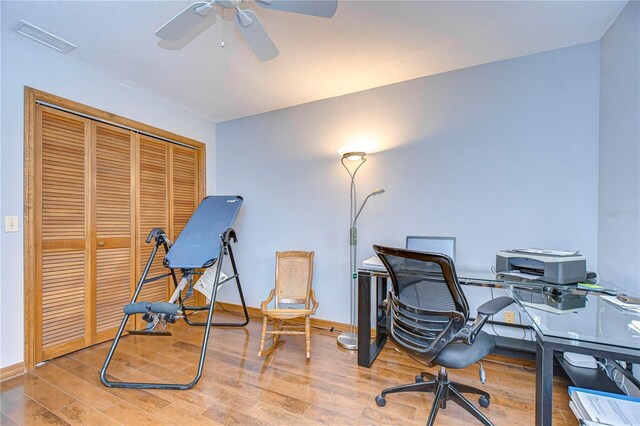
{"x":294,"y":273}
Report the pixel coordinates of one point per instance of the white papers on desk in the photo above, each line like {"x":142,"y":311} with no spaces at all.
{"x":560,"y":253}
{"x":375,"y":263}
{"x":519,"y":276}
{"x":626,"y":306}
{"x":602,"y":408}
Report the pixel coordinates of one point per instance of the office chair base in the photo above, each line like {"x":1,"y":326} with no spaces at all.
{"x":424,"y":375}
{"x":444,"y":390}
{"x":484,"y":401}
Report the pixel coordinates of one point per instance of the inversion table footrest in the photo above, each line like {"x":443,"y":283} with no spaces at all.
{"x":154,"y":307}
{"x":148,"y":333}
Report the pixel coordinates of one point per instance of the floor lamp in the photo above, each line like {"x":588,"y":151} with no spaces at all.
{"x":350,"y":340}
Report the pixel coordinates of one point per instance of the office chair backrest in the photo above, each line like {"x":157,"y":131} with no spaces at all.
{"x":294,"y":273}
{"x":427,"y":307}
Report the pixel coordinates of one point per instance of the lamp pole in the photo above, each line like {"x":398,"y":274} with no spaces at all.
{"x":349,"y":340}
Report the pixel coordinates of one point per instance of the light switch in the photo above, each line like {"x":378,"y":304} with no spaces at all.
{"x":11,"y":224}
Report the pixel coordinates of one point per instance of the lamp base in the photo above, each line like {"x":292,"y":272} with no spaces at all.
{"x":348,"y":341}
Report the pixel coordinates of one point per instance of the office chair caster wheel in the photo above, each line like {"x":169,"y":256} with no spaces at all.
{"x":381,"y":401}
{"x":419,"y":379}
{"x":484,"y":401}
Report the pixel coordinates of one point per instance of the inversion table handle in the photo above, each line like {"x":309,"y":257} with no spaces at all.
{"x":229,"y":235}
{"x":158,"y":234}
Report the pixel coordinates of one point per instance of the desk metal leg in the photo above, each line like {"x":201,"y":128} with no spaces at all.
{"x":544,"y":384}
{"x":367,"y":350}
{"x":364,"y":322}
{"x":381,"y":314}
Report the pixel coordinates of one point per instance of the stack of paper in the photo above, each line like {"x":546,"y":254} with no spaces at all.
{"x":603,"y":408}
{"x":626,"y":306}
{"x":373,"y":262}
{"x":561,"y":253}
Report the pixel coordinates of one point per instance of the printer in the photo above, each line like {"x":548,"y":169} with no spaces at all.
{"x":551,"y":266}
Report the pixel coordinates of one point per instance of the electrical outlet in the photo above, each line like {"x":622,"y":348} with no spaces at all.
{"x":11,"y":224}
{"x":509,"y":317}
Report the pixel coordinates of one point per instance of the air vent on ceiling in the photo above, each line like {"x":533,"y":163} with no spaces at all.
{"x":44,"y":37}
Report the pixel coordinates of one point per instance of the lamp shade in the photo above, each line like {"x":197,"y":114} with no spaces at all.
{"x":354,"y":155}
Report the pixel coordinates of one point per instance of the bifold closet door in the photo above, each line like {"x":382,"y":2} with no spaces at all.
{"x":99,"y":190}
{"x":184,"y":191}
{"x":85,"y":226}
{"x":168,"y":185}
{"x":153,"y":208}
{"x":62,"y":261}
{"x":113,"y":236}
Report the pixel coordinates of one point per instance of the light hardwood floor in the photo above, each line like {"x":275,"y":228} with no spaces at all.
{"x":238,"y":388}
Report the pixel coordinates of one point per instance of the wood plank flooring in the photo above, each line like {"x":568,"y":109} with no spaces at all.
{"x":238,"y":388}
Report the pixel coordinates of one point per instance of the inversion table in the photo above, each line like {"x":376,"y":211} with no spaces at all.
{"x":203,"y":243}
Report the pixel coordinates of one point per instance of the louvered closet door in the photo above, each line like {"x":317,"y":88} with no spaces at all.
{"x":185,"y":187}
{"x":99,"y":190}
{"x":114,"y":239}
{"x":184,"y":194}
{"x":153,"y":208}
{"x":63,"y":266}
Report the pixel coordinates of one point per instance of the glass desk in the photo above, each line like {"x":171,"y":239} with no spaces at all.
{"x":567,"y":319}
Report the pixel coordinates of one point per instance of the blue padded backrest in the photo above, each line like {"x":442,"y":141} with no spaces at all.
{"x":198,"y":245}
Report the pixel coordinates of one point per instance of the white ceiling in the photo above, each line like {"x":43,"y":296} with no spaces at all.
{"x":366,"y":44}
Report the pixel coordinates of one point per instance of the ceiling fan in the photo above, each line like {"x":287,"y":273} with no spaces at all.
{"x":246,"y":21}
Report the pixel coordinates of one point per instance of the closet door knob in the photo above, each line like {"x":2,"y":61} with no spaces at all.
{"x":101,"y":244}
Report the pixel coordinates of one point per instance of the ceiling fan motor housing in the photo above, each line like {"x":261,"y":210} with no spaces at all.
{"x":247,"y":22}
{"x":229,"y":4}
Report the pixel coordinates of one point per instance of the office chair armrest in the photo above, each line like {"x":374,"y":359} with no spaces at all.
{"x":314,"y":302}
{"x":265,"y":303}
{"x":468,"y":333}
{"x":494,"y":306}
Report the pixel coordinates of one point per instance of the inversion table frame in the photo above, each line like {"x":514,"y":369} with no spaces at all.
{"x":196,"y":248}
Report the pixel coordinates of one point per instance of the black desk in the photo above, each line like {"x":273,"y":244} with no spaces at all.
{"x":368,"y":350}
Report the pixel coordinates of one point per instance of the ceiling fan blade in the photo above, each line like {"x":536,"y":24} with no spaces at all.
{"x":322,"y":8}
{"x":181,"y":24}
{"x":256,"y":37}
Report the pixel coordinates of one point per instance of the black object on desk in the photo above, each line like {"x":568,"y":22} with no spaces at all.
{"x":588,"y":378}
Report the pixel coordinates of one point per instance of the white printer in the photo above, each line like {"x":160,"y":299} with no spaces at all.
{"x":552,"y":266}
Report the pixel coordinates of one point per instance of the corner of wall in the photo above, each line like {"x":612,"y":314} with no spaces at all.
{"x":619,"y":152}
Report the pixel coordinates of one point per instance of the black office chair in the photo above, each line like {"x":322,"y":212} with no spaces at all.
{"x":426,"y":317}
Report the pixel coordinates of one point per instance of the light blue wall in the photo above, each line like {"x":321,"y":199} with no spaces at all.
{"x":619,"y":190}
{"x":501,"y":155}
